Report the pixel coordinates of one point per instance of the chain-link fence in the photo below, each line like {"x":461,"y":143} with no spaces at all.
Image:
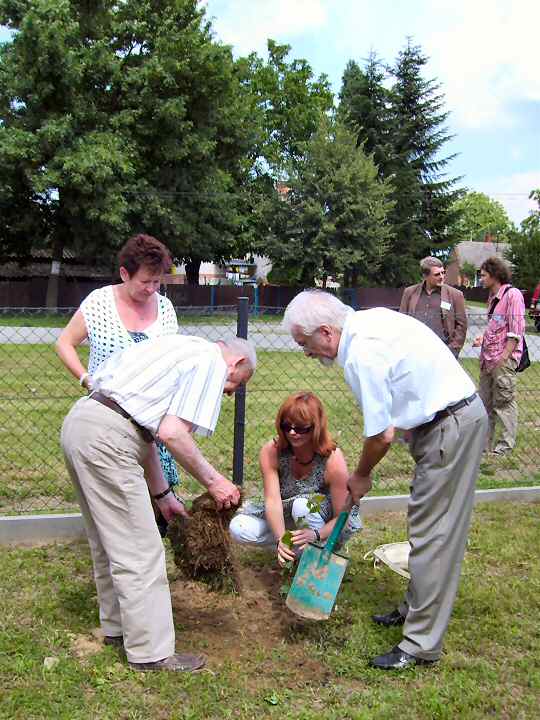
{"x":36,"y":393}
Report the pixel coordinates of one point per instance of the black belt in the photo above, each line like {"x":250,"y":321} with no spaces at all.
{"x":113,"y":405}
{"x":450,"y":410}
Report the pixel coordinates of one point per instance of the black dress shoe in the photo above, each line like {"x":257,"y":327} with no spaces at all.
{"x":398,"y":659}
{"x":390,"y":619}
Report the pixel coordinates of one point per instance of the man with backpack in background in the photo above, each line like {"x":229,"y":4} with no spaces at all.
{"x":501,"y":348}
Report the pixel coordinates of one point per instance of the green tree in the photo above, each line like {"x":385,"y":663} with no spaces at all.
{"x":479,"y":216}
{"x":524,"y":251}
{"x":468,"y":270}
{"x":424,"y":215}
{"x":364,"y":107}
{"x":332,"y":221}
{"x":287,"y":101}
{"x":404,"y":129}
{"x":116,"y":118}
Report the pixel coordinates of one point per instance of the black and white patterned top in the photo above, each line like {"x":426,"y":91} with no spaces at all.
{"x":106,"y":331}
{"x":313,"y":484}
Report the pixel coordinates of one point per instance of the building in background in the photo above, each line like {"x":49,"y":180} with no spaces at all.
{"x":238,"y":271}
{"x":467,"y":257}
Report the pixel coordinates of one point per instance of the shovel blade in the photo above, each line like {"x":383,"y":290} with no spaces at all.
{"x":316,"y":583}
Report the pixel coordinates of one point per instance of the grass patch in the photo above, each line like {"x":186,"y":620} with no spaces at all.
{"x":262,"y":665}
{"x":186,"y":316}
{"x":36,"y":393}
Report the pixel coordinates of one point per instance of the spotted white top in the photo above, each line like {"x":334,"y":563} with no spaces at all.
{"x":106,"y":331}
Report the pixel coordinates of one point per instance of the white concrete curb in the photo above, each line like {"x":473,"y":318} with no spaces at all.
{"x":37,"y":529}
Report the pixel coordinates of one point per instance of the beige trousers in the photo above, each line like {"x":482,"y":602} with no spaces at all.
{"x":498,"y":393}
{"x":103,"y":453}
{"x":447,"y":457}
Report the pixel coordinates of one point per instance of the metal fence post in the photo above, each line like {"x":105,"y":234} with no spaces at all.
{"x":240,"y":399}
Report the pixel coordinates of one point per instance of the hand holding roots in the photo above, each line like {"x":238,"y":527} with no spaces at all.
{"x":202,"y":545}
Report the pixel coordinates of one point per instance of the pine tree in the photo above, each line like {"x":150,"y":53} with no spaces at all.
{"x":424,"y":214}
{"x":364,"y":107}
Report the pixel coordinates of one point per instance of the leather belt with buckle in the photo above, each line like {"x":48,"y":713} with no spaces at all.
{"x":446,"y":412}
{"x":113,"y":405}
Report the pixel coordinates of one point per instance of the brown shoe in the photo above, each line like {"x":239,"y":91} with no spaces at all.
{"x":114,"y":640}
{"x":175,"y":663}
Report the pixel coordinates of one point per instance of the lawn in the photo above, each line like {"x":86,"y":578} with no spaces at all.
{"x":36,"y":393}
{"x":186,"y":316}
{"x":264,"y":663}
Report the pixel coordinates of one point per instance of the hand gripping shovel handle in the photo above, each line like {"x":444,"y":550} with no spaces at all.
{"x":343,"y":516}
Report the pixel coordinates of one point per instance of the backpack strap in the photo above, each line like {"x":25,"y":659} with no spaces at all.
{"x":496,"y":301}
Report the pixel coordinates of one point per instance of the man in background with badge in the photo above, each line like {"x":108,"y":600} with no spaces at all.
{"x":439,"y":306}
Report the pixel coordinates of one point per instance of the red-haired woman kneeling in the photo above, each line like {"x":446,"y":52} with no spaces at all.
{"x":302,"y":462}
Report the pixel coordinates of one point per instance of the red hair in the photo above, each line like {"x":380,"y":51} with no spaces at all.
{"x":305,"y":408}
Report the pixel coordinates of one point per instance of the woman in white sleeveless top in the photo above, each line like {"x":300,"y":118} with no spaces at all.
{"x":111,"y":318}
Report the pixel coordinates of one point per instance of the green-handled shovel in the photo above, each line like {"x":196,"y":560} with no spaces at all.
{"x":319,"y":574}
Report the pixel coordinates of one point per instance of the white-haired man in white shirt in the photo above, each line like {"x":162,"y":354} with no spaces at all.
{"x":404,"y":377}
{"x":166,"y":388}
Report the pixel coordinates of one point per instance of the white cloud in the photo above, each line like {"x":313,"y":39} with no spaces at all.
{"x":485,"y":53}
{"x":512,"y":191}
{"x":248,"y":24}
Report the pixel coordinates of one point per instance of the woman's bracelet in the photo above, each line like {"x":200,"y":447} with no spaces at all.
{"x":162,"y":494}
{"x":317,"y":534}
{"x":83,"y":377}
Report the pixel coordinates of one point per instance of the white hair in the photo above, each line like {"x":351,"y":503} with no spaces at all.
{"x":312,"y":308}
{"x":244,"y":348}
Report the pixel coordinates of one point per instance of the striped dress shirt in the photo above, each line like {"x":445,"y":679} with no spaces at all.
{"x":172,"y":375}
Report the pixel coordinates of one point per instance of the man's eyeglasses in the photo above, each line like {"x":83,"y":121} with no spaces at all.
{"x":298,"y":429}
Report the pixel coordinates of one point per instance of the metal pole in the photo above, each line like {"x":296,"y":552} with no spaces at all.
{"x":240,"y":399}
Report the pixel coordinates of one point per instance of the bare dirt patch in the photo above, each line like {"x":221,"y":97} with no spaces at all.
{"x":83,"y":646}
{"x":242,"y":627}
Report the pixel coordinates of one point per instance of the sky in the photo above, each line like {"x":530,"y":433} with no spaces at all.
{"x":483,"y":52}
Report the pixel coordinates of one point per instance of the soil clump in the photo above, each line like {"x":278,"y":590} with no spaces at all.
{"x":202,"y":545}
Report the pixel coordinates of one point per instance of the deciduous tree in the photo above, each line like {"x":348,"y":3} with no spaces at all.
{"x":480,"y":216}
{"x":524,"y":251}
{"x":117,"y":117}
{"x":331,"y":220}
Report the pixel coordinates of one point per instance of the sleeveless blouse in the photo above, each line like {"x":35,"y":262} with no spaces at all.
{"x":313,"y":484}
{"x":107,"y":335}
{"x":106,"y":331}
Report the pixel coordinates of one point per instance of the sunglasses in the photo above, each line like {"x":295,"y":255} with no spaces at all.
{"x":298,"y":429}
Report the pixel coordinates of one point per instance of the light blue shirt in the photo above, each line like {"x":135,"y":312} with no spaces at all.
{"x":400,"y":372}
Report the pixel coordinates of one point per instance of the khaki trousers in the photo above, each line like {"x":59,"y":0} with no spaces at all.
{"x":103,"y":453}
{"x":447,"y":457}
{"x":498,"y":393}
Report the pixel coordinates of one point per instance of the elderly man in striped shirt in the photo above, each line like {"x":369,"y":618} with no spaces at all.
{"x":166,"y":388}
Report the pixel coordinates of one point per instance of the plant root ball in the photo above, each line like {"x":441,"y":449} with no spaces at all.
{"x":202,"y":545}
